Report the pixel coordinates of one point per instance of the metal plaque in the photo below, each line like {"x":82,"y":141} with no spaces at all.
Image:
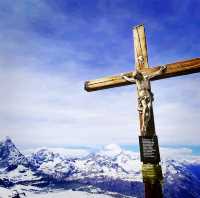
{"x":149,"y":150}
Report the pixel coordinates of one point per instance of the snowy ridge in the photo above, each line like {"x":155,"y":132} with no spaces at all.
{"x":10,"y":155}
{"x":59,"y":194}
{"x":109,"y":171}
{"x":64,"y":152}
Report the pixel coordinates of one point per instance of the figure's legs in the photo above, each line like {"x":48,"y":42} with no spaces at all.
{"x":146,"y":119}
{"x":140,"y":108}
{"x":146,"y":113}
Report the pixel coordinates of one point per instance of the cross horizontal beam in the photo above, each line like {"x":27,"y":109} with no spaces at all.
{"x":173,"y":69}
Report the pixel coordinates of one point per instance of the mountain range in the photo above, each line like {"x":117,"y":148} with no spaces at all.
{"x":109,"y":172}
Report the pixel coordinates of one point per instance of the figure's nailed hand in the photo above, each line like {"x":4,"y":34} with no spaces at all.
{"x":122,"y":75}
{"x":163,"y":67}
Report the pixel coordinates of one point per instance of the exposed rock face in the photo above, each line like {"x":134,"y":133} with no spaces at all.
{"x":10,"y":156}
{"x":110,"y":170}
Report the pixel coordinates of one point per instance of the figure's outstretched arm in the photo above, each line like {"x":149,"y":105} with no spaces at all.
{"x":162,"y":68}
{"x":127,"y":78}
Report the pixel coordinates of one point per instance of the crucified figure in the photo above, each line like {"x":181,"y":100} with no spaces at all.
{"x":145,"y":96}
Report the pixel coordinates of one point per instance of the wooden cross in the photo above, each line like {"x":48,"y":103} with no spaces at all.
{"x":149,"y":150}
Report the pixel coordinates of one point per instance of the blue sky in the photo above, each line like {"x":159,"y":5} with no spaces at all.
{"x":49,"y":48}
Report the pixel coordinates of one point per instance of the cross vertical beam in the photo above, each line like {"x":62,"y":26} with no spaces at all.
{"x":140,"y":47}
{"x":141,"y":62}
{"x":149,"y":149}
{"x":152,"y":173}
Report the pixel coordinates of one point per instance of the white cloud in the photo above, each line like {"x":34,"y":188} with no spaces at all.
{"x":42,"y":77}
{"x":176,"y":110}
{"x":174,"y":153}
{"x":63,"y":152}
{"x":37,"y":108}
{"x":44,"y":109}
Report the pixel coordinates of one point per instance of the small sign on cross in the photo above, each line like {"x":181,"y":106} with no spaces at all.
{"x":149,"y":149}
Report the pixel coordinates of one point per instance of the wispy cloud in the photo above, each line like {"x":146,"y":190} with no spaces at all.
{"x":47,"y":51}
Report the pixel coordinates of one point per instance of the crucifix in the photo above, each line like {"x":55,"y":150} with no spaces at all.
{"x":149,"y":149}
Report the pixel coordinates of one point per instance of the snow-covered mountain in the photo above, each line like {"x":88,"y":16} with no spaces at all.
{"x":10,"y":156}
{"x":111,"y":171}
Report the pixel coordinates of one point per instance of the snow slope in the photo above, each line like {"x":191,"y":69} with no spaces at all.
{"x":110,"y":171}
{"x":5,"y":193}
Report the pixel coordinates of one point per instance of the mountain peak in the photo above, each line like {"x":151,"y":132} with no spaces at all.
{"x":111,"y":150}
{"x":113,"y":147}
{"x":7,"y":139}
{"x":9,"y":154}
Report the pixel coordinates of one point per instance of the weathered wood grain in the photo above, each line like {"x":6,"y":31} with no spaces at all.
{"x":141,"y":62}
{"x":173,"y":69}
{"x":152,"y":189}
{"x":140,"y":47}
